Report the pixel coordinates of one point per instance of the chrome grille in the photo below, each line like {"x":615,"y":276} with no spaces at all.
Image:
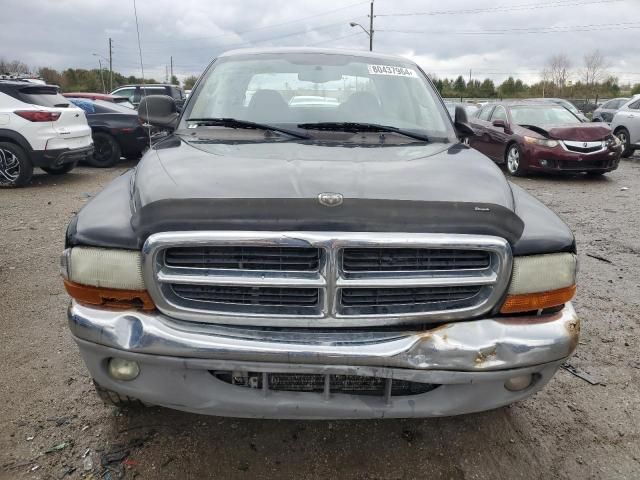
{"x":583,"y":147}
{"x":385,"y":300}
{"x":412,"y":259}
{"x":245,"y":258}
{"x":324,"y":279}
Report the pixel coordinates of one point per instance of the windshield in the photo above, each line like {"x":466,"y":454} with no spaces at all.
{"x":289,"y":89}
{"x":542,"y":115}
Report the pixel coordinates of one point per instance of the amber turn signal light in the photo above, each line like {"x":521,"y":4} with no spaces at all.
{"x":109,"y":297}
{"x":528,"y":302}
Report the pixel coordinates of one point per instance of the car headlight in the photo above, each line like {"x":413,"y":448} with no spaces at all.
{"x":541,"y":141}
{"x":541,"y":281}
{"x":613,"y":141}
{"x":105,"y":277}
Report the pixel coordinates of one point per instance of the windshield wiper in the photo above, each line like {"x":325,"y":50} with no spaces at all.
{"x":236,"y":123}
{"x":361,"y":127}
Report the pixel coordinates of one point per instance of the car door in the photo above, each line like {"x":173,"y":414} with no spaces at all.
{"x":498,"y":136}
{"x":632,"y":121}
{"x":480,"y":123}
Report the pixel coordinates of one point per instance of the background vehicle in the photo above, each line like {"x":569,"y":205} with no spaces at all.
{"x":117,"y":131}
{"x":528,"y":136}
{"x":349,"y":262}
{"x":626,"y":125}
{"x":470,"y":108}
{"x":101,"y":96}
{"x":566,"y":104}
{"x":39,"y":128}
{"x":606,"y":111}
{"x":136,"y":92}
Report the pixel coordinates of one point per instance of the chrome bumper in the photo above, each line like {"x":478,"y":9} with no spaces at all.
{"x":470,"y":360}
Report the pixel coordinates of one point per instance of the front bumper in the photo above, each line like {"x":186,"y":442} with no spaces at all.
{"x":470,"y":361}
{"x":559,"y":160}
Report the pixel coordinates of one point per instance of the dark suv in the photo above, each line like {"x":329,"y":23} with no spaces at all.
{"x":135,"y":93}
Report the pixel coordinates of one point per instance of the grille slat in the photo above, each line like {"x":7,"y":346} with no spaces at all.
{"x":285,"y":296}
{"x":245,"y":258}
{"x":412,"y":259}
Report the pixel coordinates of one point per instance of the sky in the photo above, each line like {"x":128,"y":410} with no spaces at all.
{"x":492,"y":38}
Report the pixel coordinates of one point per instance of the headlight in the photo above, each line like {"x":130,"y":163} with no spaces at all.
{"x":613,"y":141}
{"x":541,"y":141}
{"x":105,"y":277}
{"x":541,"y":281}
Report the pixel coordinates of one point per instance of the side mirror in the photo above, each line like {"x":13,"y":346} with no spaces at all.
{"x":499,"y":124}
{"x":160,"y":111}
{"x":461,"y":123}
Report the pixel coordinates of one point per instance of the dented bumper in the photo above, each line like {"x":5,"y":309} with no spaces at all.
{"x":469,"y":361}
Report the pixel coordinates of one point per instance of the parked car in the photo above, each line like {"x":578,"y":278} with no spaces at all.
{"x":626,"y":125}
{"x":354,"y":262}
{"x":134,"y":93}
{"x":102,"y":96}
{"x":540,"y":136}
{"x":117,"y":131}
{"x":566,"y":104}
{"x":470,"y":108}
{"x":39,"y":128}
{"x":606,"y":111}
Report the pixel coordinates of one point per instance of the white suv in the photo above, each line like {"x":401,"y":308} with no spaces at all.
{"x":626,"y":125}
{"x":39,"y":128}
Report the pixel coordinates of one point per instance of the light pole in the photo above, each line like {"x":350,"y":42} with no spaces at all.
{"x":104,"y":88}
{"x":368,"y":32}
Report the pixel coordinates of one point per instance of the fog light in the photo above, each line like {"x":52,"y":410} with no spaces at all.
{"x":122,"y":369}
{"x":544,"y":163}
{"x":515,"y":384}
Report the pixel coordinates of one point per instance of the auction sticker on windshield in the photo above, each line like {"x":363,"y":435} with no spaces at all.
{"x":391,"y":70}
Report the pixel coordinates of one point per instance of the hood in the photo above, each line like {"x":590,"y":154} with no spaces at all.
{"x":275,"y":185}
{"x":582,"y":132}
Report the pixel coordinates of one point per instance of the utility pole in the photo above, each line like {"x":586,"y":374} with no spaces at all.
{"x":101,"y":77}
{"x":469,"y":75}
{"x":166,"y":74}
{"x":110,"y":65}
{"x":171,"y":79}
{"x":371,"y":28}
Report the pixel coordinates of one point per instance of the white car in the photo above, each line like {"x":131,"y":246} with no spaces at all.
{"x":39,"y":128}
{"x":626,"y":125}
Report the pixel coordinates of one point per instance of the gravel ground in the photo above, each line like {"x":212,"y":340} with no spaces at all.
{"x":572,"y":429}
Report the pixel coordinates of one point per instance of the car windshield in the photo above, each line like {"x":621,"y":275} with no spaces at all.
{"x":542,"y":115}
{"x":290,"y":89}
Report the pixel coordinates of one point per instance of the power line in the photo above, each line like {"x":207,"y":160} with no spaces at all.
{"x":334,"y":39}
{"x":504,"y":8}
{"x":525,"y":30}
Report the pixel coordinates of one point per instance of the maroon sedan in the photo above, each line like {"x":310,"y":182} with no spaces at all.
{"x":529,"y":136}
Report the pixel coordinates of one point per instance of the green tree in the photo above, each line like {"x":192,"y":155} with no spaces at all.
{"x":189,"y":82}
{"x":636,"y":89}
{"x":487,"y":88}
{"x":174,"y":80}
{"x":459,"y":85}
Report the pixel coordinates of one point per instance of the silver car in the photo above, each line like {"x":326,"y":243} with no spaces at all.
{"x":606,"y":111}
{"x":626,"y":125}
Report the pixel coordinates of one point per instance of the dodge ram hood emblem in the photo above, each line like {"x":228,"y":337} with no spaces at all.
{"x":330,"y":199}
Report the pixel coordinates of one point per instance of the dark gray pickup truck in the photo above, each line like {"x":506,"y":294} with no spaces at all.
{"x":313,"y":240}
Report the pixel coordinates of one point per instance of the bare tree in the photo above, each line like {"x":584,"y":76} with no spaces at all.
{"x":13,"y":67}
{"x":595,"y":70}
{"x":559,"y":67}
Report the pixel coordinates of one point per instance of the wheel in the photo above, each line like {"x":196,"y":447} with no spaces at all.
{"x":106,"y":151}
{"x":61,"y":170}
{"x":16,"y":168}
{"x":109,"y":397}
{"x":514,"y":161}
{"x":623,"y":136}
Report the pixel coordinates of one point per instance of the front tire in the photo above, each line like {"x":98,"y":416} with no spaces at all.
{"x":61,"y":170}
{"x":16,"y":168}
{"x":623,"y":136}
{"x":514,"y":161}
{"x":106,"y":151}
{"x":109,"y":397}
